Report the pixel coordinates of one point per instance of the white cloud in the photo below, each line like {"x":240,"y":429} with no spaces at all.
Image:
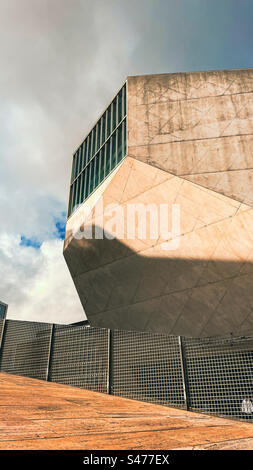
{"x":60,"y":66}
{"x":37,"y":282}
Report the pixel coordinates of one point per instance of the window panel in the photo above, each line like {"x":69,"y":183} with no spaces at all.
{"x":107,"y":158}
{"x":113,"y":156}
{"x":89,"y":148}
{"x":74,"y":196}
{"x":86,"y":150}
{"x":73,"y":168}
{"x":70,"y":201}
{"x":91,"y":176}
{"x":83,"y":155}
{"x":81,"y":198}
{"x":94,"y":141}
{"x":102,"y":165}
{"x":98,"y":135}
{"x":119,"y":150}
{"x":120,"y":106}
{"x":101,"y":151}
{"x":114,"y":113}
{"x":103,"y":127}
{"x":78,"y":191}
{"x":124,"y":101}
{"x":87,"y":181}
{"x":84,"y":184}
{"x":97,"y":170}
{"x":108,"y":122}
{"x":125,"y":139}
{"x":80,"y":154}
{"x":76,"y":164}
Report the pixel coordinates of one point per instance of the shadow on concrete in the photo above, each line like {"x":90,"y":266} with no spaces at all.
{"x":123,"y":289}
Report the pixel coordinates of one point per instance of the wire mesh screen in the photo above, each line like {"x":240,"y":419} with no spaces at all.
{"x":220,"y":375}
{"x":1,"y":329}
{"x":147,"y":367}
{"x":25,"y":348}
{"x":80,"y":357}
{"x":211,"y":375}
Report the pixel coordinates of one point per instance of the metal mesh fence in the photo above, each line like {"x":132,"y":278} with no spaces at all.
{"x":219,"y":375}
{"x":80,"y":357}
{"x":1,"y":329}
{"x":211,"y":375}
{"x":147,"y":367}
{"x":25,"y":348}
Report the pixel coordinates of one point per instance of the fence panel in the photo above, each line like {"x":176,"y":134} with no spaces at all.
{"x":80,"y":357}
{"x":2,"y":321}
{"x":25,"y":348}
{"x":219,"y":374}
{"x":147,"y":367}
{"x":211,"y":375}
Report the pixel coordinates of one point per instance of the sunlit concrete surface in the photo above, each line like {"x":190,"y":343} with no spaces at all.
{"x":189,"y":144}
{"x":40,"y":415}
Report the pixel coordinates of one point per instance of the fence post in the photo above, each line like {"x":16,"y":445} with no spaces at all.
{"x":109,"y":363}
{"x":2,"y":340}
{"x":49,"y":360}
{"x":184,"y":373}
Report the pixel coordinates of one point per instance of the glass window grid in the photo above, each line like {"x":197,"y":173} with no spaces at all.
{"x":110,"y":129}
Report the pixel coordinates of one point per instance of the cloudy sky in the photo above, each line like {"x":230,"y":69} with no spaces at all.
{"x":61,"y":63}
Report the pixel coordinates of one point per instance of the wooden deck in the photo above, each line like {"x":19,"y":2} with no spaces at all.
{"x":39,"y":415}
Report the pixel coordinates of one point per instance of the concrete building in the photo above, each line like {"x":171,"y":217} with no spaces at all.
{"x":183,"y":140}
{"x":3,"y":310}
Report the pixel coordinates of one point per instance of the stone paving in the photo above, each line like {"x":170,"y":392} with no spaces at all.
{"x":39,"y":415}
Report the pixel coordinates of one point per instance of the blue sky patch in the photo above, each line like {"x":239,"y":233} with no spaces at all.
{"x":60,"y":226}
{"x":57,"y":232}
{"x":30,"y":242}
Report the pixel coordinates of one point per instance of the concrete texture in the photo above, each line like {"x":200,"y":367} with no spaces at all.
{"x":196,"y":289}
{"x":196,"y":125}
{"x":189,"y":143}
{"x":38,"y":415}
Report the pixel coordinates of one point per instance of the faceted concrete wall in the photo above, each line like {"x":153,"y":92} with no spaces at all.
{"x":196,"y":125}
{"x":189,"y":143}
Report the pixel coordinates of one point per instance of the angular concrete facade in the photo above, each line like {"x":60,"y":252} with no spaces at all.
{"x":189,"y":143}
